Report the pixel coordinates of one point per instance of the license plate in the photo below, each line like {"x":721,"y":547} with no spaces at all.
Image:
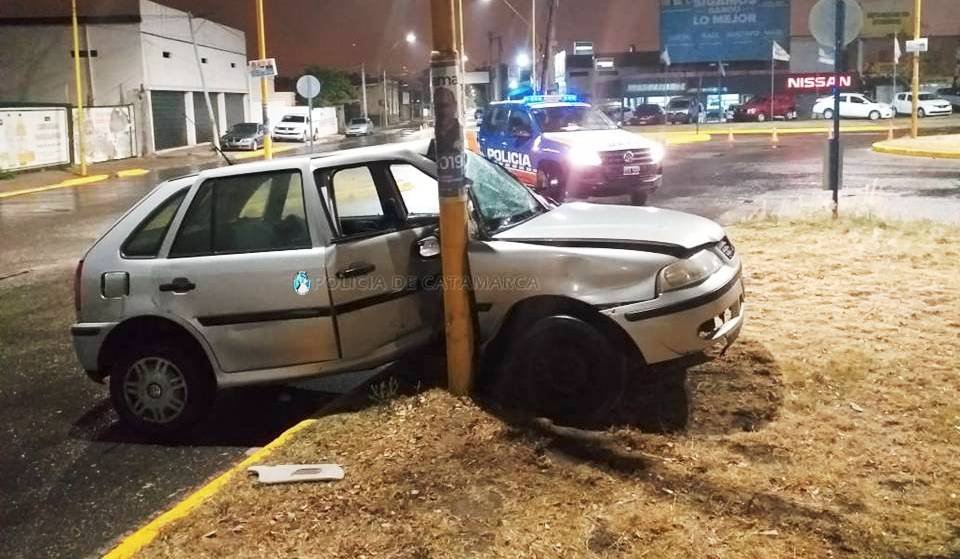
{"x":631,"y":170}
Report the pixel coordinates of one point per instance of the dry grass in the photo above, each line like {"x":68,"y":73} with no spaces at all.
{"x":831,"y":429}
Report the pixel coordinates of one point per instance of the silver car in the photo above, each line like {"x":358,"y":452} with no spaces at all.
{"x":307,"y":266}
{"x":359,"y":127}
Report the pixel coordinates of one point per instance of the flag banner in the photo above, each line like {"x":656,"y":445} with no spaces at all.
{"x":665,"y":57}
{"x":779,"y":53}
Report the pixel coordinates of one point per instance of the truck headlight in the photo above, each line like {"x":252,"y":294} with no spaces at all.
{"x":657,"y":152}
{"x":688,"y":272}
{"x":584,"y":157}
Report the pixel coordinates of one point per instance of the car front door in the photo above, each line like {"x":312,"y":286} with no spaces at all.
{"x":385,"y":294}
{"x":519,"y":145}
{"x":245,"y":269}
{"x":859,"y":107}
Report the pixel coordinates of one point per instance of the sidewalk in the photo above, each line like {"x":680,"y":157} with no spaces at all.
{"x":945,"y":146}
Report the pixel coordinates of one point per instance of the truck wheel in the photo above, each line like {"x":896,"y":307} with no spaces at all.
{"x":828,"y":114}
{"x":551,"y":183}
{"x":161,"y":390}
{"x":565,"y":369}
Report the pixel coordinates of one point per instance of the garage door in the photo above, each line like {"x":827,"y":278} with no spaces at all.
{"x":169,"y":119}
{"x":202,"y":117}
{"x":234,"y":102}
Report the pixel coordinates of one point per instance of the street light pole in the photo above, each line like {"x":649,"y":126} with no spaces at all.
{"x":81,"y":144}
{"x":915,"y":85}
{"x":363,"y":85}
{"x":533,"y":45}
{"x":262,"y":41}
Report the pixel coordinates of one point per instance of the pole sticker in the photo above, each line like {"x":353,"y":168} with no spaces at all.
{"x":449,"y":131}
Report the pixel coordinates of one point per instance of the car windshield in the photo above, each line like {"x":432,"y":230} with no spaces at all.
{"x":570,"y":118}
{"x":927,"y":97}
{"x":500,"y":199}
{"x":358,"y":121}
{"x":245,"y":128}
{"x":293,"y":118}
{"x":648,"y":109}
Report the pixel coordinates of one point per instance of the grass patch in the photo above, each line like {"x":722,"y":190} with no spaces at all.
{"x":830,"y":429}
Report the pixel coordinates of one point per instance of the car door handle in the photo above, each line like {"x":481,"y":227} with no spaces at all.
{"x":356,"y":270}
{"x":178,"y":285}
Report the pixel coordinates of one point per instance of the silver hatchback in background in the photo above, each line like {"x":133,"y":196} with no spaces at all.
{"x":306,"y":266}
{"x":359,"y":127}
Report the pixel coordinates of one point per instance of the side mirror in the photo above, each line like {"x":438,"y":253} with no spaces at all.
{"x":429,"y":247}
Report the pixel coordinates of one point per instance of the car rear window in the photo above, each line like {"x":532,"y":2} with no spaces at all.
{"x":146,"y":239}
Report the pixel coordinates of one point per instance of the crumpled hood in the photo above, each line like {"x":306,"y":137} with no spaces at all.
{"x":619,"y":225}
{"x":600,"y":139}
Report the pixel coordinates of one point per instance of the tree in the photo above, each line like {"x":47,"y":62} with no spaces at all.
{"x":336,"y":88}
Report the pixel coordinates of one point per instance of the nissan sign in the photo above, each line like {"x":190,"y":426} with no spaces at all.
{"x":814,"y":82}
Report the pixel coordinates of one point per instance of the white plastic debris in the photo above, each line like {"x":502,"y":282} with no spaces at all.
{"x":291,"y":473}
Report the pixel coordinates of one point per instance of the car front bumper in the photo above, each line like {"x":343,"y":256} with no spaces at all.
{"x":937,"y":111}
{"x":703,"y":317}
{"x":595,"y":183}
{"x":238,"y":145}
{"x":298,"y":136}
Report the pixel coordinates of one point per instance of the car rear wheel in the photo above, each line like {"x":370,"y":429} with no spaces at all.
{"x":550,"y":183}
{"x":828,"y":114}
{"x":565,"y":369}
{"x":761,"y":117}
{"x":161,"y":390}
{"x":638,"y":198}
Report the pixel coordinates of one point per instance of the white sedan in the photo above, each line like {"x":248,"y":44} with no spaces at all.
{"x":928,"y":104}
{"x":852,"y":105}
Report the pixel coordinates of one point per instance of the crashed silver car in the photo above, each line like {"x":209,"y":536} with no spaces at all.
{"x":307,"y":266}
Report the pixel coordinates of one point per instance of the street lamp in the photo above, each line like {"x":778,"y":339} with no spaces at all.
{"x":411,"y":38}
{"x":523,"y":61}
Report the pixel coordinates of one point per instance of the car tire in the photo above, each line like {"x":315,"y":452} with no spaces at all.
{"x":828,"y":114}
{"x":874,"y":115}
{"x":161,"y":390}
{"x":563,"y":368}
{"x":550,"y":183}
{"x":761,"y":117}
{"x":921,"y":113}
{"x":638,"y":198}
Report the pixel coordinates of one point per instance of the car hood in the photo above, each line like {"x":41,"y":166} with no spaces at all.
{"x":599,"y":139}
{"x":611,"y":226}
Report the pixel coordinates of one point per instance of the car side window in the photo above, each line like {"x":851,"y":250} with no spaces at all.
{"x":498,"y":121}
{"x":245,"y":213}
{"x":418,"y":190}
{"x":520,"y":124}
{"x":146,"y":239}
{"x":356,"y":205}
{"x":857,"y":100}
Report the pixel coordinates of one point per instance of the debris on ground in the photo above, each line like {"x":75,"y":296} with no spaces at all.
{"x":294,"y":473}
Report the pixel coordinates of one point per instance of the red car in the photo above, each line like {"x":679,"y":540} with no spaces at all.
{"x":758,"y":109}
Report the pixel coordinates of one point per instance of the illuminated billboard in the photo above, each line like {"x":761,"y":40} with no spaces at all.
{"x":711,"y":30}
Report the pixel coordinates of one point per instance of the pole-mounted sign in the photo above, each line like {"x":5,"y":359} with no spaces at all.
{"x":263,"y":68}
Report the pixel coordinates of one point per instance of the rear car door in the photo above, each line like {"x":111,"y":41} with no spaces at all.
{"x":385,"y":295}
{"x":246,"y":270}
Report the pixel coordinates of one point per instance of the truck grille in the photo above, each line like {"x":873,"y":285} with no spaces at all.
{"x":615,"y":161}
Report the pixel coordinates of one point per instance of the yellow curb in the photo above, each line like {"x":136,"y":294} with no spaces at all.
{"x":79,"y":181}
{"x":879,"y":147}
{"x":136,"y":541}
{"x":260,"y":152}
{"x":131,"y":173}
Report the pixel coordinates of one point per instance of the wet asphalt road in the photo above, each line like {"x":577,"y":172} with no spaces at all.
{"x":71,"y":480}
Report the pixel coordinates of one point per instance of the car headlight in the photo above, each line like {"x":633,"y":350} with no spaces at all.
{"x":584,"y":157}
{"x":657,"y":152}
{"x":688,"y":272}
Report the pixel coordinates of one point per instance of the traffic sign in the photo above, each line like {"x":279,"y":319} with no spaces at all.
{"x":918,"y":45}
{"x":308,"y":86}
{"x":823,"y":21}
{"x":263,"y":68}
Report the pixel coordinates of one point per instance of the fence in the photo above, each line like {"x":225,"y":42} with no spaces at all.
{"x":33,"y":137}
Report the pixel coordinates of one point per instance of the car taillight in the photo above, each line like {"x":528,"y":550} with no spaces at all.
{"x":76,"y":287}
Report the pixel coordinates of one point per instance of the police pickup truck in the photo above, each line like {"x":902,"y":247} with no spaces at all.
{"x":568,"y":150}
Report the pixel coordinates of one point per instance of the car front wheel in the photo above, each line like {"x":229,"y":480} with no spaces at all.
{"x":761,"y":117}
{"x":161,"y":390}
{"x":828,"y":114}
{"x":550,"y":182}
{"x":874,"y":115}
{"x":921,"y":113}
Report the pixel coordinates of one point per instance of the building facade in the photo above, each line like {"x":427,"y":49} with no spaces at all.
{"x":145,"y":59}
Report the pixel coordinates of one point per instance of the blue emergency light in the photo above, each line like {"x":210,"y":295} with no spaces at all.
{"x":568,"y":98}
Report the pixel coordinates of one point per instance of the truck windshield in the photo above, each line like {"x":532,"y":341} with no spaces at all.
{"x":571,"y":118}
{"x":293,"y":118}
{"x":358,"y":121}
{"x":500,"y":199}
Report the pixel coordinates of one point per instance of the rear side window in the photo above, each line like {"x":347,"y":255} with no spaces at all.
{"x":146,"y":239}
{"x":247,"y":213}
{"x":497,"y":123}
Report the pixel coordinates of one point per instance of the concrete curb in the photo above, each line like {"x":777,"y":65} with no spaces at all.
{"x":884,"y":147}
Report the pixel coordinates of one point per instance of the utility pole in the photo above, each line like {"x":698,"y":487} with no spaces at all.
{"x":462,"y":65}
{"x":914,"y":101}
{"x":81,"y":143}
{"x":363,"y":86}
{"x":203,"y":84}
{"x":458,"y":312}
{"x":546,"y":48}
{"x":385,"y":120}
{"x":533,"y":44}
{"x":262,"y":40}
{"x":835,"y":152}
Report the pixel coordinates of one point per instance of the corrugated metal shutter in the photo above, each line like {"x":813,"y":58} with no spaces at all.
{"x":169,"y":119}
{"x":204,"y":127}
{"x":234,"y":102}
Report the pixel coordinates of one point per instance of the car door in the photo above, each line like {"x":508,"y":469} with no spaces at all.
{"x":859,"y":108}
{"x":385,"y":295}
{"x":494,"y":133}
{"x":519,"y":145}
{"x":244,"y":267}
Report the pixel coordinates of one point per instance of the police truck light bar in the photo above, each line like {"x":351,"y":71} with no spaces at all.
{"x":569,"y":98}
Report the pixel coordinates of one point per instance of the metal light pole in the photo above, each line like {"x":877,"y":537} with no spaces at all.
{"x":81,"y":144}
{"x":458,"y":313}
{"x":261,"y":39}
{"x":835,"y":141}
{"x":363,"y":86}
{"x":914,"y":101}
{"x":203,"y":84}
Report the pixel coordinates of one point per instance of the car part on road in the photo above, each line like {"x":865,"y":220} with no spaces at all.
{"x":294,"y":473}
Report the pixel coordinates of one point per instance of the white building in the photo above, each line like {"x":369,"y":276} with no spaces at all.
{"x":145,"y":59}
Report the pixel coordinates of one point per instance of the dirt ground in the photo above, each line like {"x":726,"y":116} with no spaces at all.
{"x":831,"y":429}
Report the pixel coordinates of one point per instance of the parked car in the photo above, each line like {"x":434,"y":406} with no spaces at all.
{"x":730,"y":112}
{"x":951,"y":94}
{"x":286,"y":269}
{"x":680,"y":111}
{"x":928,"y":104}
{"x":758,"y":109}
{"x":245,"y":135}
{"x":648,"y":114}
{"x":361,"y":126}
{"x":295,"y":127}
{"x":852,"y":105}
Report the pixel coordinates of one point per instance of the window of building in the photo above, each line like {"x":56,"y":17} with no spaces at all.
{"x":233,"y":64}
{"x":166,"y":54}
{"x":203,"y":60}
{"x":92,"y":53}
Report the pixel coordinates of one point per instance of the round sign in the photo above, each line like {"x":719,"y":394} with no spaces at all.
{"x":308,"y":86}
{"x":823,"y":22}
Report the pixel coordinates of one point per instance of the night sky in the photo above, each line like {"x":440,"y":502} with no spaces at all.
{"x":345,"y":33}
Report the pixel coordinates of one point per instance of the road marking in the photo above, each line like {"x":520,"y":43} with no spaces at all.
{"x":136,"y":541}
{"x":79,"y":181}
{"x":131,"y":173}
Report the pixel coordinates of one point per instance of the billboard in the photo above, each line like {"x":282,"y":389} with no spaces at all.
{"x":711,"y":30}
{"x":882,"y":18}
{"x":33,"y":137}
